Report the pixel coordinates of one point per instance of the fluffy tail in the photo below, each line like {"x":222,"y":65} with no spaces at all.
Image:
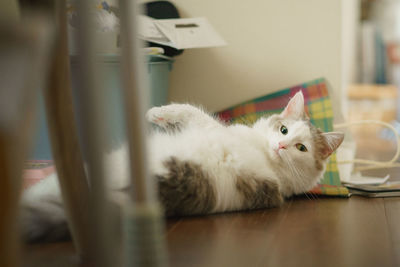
{"x":42,"y":213}
{"x":43,"y":223}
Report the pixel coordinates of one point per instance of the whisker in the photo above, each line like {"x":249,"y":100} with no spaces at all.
{"x":298,"y":173}
{"x":305,"y":193}
{"x":291,"y":169}
{"x":315,"y":196}
{"x":311,"y":194}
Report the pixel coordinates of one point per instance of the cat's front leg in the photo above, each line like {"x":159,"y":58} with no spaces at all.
{"x":178,"y":116}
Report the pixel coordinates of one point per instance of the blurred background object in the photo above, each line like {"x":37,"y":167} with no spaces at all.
{"x":374,"y":93}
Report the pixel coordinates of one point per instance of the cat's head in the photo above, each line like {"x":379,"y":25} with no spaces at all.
{"x":298,"y":149}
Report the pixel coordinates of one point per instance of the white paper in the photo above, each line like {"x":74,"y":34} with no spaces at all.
{"x":179,"y":33}
{"x":148,"y":31}
{"x":190,"y":33}
{"x":358,"y":179}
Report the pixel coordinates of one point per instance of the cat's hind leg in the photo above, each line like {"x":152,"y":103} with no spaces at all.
{"x":178,"y":116}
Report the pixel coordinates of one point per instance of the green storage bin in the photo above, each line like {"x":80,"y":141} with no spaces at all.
{"x":158,"y":68}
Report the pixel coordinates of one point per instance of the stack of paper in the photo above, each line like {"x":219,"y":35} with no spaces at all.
{"x":372,"y":186}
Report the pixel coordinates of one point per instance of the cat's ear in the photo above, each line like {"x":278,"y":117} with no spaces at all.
{"x":295,"y":107}
{"x":333,"y":141}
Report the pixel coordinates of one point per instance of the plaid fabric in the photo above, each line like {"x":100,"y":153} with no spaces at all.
{"x":317,"y":105}
{"x":36,"y":170}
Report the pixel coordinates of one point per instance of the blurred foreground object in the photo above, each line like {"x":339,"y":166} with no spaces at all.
{"x":143,"y":223}
{"x":24,"y":50}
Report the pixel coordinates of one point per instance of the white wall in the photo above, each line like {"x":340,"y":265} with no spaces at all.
{"x":350,"y":31}
{"x":273,"y":44}
{"x":350,"y":43}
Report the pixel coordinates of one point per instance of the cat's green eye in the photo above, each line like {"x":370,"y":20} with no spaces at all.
{"x":301,"y":147}
{"x":284,"y":130}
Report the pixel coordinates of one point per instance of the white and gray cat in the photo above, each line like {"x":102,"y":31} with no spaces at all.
{"x":203,"y":166}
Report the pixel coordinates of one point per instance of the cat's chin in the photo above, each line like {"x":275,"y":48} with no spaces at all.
{"x":277,"y":155}
{"x":277,"y":158}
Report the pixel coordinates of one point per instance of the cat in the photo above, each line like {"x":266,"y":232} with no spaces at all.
{"x":203,"y":166}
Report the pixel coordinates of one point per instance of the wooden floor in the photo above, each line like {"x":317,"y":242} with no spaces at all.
{"x":318,"y":231}
{"x":304,"y":232}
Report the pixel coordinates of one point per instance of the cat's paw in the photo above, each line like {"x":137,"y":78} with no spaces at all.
{"x":171,"y":116}
{"x":155,"y":115}
{"x":179,"y":116}
{"x":163,"y":117}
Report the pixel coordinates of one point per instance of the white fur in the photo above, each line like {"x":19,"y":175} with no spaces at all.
{"x":47,"y":187}
{"x":295,"y":169}
{"x":223,"y":152}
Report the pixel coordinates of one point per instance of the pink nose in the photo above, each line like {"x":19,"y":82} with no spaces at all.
{"x":282,"y":145}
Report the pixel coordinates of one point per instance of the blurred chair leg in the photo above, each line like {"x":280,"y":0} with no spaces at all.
{"x":10,"y":173}
{"x":23,"y":56}
{"x":13,"y":150}
{"x":64,"y":139}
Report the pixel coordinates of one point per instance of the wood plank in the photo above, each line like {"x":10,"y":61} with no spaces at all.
{"x":232,"y":239}
{"x":60,"y":254}
{"x":334,"y":232}
{"x":392,"y":209}
{"x":324,"y":232}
